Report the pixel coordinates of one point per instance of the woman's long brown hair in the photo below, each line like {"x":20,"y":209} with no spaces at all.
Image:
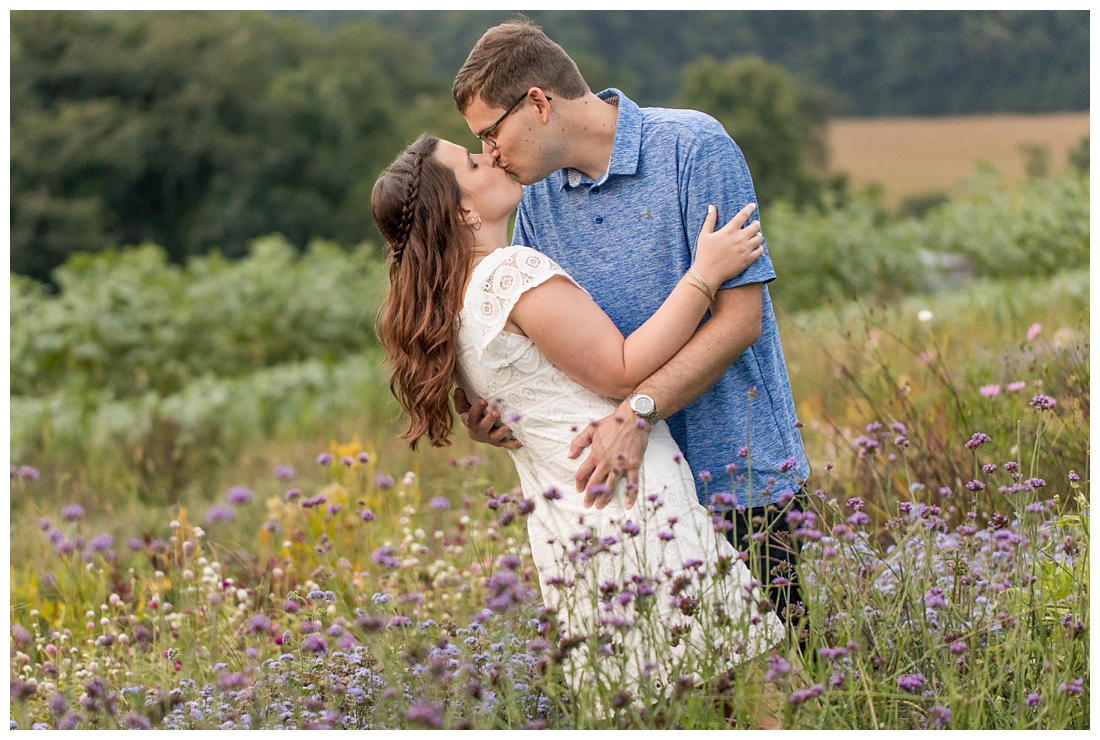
{"x":417,"y":206}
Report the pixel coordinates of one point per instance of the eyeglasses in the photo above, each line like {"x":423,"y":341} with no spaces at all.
{"x":486,"y":135}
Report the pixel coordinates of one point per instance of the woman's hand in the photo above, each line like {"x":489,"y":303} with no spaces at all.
{"x":724,"y":254}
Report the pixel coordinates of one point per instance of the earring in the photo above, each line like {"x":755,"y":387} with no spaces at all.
{"x":478,"y":227}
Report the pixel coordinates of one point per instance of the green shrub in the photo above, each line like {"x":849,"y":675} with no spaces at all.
{"x":128,"y":322}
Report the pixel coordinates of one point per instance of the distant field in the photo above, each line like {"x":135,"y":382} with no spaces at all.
{"x":916,"y":156}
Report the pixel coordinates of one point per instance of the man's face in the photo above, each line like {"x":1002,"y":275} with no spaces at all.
{"x":513,"y":137}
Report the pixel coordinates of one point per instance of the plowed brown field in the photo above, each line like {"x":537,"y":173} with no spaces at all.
{"x":917,"y":156}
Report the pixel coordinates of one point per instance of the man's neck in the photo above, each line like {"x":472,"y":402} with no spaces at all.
{"x":591,"y":135}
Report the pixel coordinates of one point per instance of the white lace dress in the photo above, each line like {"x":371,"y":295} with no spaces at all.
{"x":653,"y":591}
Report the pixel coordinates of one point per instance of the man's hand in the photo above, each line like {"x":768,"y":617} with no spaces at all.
{"x":618,"y":443}
{"x":479,"y":421}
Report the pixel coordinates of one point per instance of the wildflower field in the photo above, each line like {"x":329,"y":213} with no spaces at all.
{"x":213,"y":525}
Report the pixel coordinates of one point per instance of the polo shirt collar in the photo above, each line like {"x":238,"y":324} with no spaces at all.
{"x":626,"y":147}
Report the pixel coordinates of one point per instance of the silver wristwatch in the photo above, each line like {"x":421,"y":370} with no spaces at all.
{"x":643,"y":406}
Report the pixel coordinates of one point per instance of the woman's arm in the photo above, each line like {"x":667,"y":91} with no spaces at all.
{"x":578,"y":337}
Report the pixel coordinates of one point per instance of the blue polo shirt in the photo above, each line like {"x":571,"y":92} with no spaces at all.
{"x":629,"y":237}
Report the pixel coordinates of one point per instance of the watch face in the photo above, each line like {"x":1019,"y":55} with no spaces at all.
{"x":643,"y":405}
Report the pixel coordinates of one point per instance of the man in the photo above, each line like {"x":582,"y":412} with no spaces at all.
{"x":615,"y":194}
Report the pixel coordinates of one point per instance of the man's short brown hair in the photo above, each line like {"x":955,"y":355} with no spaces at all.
{"x":511,"y":58}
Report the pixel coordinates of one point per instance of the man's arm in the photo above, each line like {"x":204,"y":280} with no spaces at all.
{"x":733,"y":327}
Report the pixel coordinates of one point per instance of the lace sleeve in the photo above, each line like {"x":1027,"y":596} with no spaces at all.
{"x":494,"y":291}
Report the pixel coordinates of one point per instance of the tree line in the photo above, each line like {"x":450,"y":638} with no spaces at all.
{"x":201,"y":131}
{"x":877,"y":63}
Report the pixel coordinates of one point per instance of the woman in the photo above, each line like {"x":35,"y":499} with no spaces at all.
{"x":649,"y":592}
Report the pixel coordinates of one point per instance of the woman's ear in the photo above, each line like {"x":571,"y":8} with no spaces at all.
{"x":471,"y":218}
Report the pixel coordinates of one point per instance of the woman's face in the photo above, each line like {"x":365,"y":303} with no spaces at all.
{"x":487,"y":190}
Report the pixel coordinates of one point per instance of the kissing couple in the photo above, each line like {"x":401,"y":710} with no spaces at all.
{"x":621,"y":319}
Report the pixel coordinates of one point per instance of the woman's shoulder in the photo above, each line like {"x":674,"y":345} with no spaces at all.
{"x":527,"y":260}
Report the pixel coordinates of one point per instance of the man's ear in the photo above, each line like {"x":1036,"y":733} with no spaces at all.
{"x":541,"y":103}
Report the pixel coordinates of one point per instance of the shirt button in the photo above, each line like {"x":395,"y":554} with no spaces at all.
{"x":595,"y":190}
{"x":599,"y":219}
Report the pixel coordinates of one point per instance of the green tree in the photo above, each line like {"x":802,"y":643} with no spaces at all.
{"x":778,"y":123}
{"x":200,"y":131}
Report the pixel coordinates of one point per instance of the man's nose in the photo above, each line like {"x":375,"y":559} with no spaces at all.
{"x":490,"y":150}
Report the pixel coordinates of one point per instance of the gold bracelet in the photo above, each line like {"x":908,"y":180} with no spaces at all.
{"x":702,"y":284}
{"x":693,"y":283}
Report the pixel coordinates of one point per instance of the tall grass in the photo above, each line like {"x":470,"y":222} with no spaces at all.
{"x":946,"y":573}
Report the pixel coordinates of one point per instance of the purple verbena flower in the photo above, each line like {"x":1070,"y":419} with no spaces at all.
{"x":315,"y":643}
{"x":911,"y":682}
{"x":309,"y":503}
{"x":384,"y":556}
{"x":383,"y":481}
{"x":439,"y":503}
{"x":324,"y":459}
{"x":804,"y":694}
{"x":1073,"y":688}
{"x":101,"y":543}
{"x":72,"y":512}
{"x":978,"y":440}
{"x":239,"y":496}
{"x":777,"y":667}
{"x":220,"y":514}
{"x":26,"y":471}
{"x":367,"y":515}
{"x":285,"y":472}
{"x":940,"y":716}
{"x":934,"y":599}
{"x":426,"y":714}
{"x":257,"y":623}
{"x":1042,"y":402}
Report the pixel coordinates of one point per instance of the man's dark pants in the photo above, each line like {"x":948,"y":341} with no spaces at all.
{"x":774,"y":556}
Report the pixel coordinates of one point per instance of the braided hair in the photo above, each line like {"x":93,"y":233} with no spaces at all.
{"x":417,"y":207}
{"x":408,"y":208}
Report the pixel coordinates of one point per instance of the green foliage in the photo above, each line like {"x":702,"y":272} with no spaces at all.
{"x":199,"y":130}
{"x":881,"y":62}
{"x":778,"y":123}
{"x":130,"y":323}
{"x":1079,"y":155}
{"x":854,"y":250}
{"x":1037,"y":228}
